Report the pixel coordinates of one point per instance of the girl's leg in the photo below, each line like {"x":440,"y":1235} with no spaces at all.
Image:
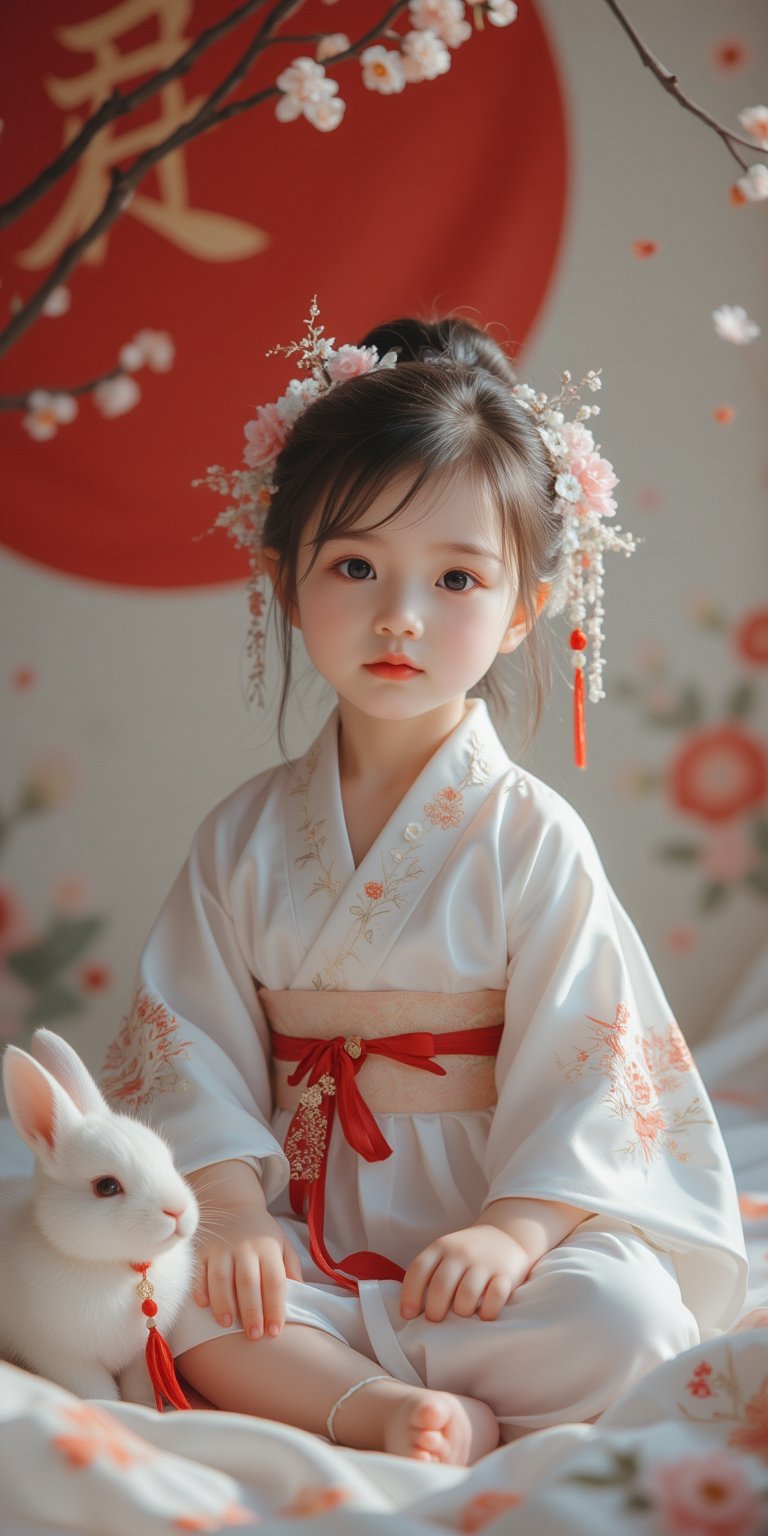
{"x":297,"y":1377}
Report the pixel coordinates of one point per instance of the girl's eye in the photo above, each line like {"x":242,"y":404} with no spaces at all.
{"x":106,"y":1187}
{"x":457,"y":581}
{"x":355,"y":569}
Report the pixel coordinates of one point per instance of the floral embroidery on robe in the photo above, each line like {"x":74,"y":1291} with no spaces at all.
{"x":640,"y":1071}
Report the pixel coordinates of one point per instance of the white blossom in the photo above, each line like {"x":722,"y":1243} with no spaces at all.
{"x":148,"y":349}
{"x":445,"y":17}
{"x":113,"y":397}
{"x":58,"y":302}
{"x":327,"y":113}
{"x":554,"y":442}
{"x":308,"y":92}
{"x":297,"y":396}
{"x":425,"y":56}
{"x":732,"y":323}
{"x":754,"y":120}
{"x":157,"y":350}
{"x":332,"y":43}
{"x":568,"y":488}
{"x":130,"y":357}
{"x":754,"y":185}
{"x":413,"y":832}
{"x":501,"y":13}
{"x":47,"y":412}
{"x":382,"y":70}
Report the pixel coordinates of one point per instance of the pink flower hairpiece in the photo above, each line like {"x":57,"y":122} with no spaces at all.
{"x":583,"y":486}
{"x":251,"y":489}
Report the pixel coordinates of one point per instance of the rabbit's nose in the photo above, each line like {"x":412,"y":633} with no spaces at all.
{"x":175,"y":1214}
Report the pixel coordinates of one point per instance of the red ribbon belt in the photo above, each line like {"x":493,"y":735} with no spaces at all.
{"x":331,"y":1067}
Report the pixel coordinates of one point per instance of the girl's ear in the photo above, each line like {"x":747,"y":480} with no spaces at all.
{"x":519,"y":626}
{"x":271,"y":562}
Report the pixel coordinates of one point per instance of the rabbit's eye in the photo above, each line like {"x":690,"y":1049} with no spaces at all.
{"x":106,"y":1187}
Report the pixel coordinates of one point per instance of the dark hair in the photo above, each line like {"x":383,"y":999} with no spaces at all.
{"x":447,"y":408}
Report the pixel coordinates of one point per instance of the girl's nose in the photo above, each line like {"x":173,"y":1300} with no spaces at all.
{"x":399,"y":615}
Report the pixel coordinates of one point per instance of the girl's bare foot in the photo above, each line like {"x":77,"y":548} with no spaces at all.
{"x":424,"y":1425}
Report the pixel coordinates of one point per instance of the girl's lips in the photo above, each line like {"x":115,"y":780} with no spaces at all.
{"x":394,"y":671}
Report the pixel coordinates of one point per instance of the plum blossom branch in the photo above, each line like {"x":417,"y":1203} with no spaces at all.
{"x":119,"y":104}
{"x":671,"y":84}
{"x":21,"y":402}
{"x":207,"y":117}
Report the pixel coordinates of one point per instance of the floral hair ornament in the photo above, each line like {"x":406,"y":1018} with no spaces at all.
{"x":251,"y":489}
{"x":583,"y":484}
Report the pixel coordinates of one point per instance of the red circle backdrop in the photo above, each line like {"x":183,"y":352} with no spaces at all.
{"x":450,"y":195}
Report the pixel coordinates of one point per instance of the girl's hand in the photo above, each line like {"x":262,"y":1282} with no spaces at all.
{"x":475,"y":1270}
{"x":242,"y":1270}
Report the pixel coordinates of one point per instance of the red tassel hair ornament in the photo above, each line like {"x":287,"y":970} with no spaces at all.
{"x":578,"y":647}
{"x":162,"y":1373}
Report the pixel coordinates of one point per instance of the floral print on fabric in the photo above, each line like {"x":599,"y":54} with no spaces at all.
{"x":642,"y":1068}
{"x":94,"y":1436}
{"x":142,"y":1062}
{"x":749,"y":1415}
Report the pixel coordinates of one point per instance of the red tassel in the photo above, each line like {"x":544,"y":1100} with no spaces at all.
{"x":579,"y":725}
{"x":162,"y":1373}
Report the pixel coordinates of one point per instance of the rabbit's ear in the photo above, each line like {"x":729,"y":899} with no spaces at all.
{"x":63,"y":1063}
{"x":37,"y":1105}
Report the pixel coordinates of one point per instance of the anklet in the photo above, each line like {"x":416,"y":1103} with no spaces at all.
{"x":343,"y":1399}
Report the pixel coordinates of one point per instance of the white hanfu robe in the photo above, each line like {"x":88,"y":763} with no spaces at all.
{"x":482,"y":880}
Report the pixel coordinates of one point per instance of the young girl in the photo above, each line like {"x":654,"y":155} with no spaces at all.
{"x":464,"y":1177}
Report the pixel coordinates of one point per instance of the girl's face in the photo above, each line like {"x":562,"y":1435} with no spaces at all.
{"x":408,"y":617}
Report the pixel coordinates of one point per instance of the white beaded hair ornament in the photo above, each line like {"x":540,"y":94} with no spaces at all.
{"x":583,"y":485}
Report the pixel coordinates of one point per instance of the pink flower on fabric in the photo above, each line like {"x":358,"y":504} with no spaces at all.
{"x":266,"y":436}
{"x":752,"y":1436}
{"x":374,"y":889}
{"x":350,"y":363}
{"x":704,"y":1496}
{"x":728,"y":854}
{"x":16,"y":926}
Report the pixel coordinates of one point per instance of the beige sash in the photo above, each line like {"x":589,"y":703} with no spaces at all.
{"x":391,"y":1087}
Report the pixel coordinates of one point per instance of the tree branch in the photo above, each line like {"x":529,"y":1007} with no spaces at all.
{"x":117,"y":106}
{"x":670,"y":84}
{"x":21,"y":402}
{"x":206,"y":118}
{"x":124,"y":182}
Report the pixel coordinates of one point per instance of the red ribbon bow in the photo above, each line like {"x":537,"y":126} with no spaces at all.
{"x":332,"y":1066}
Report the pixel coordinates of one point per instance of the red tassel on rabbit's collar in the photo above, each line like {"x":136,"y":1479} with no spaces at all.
{"x":158,"y":1356}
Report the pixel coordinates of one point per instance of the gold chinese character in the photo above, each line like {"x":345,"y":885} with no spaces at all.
{"x":209,"y":236}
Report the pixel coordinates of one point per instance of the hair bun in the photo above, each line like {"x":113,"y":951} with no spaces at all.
{"x":447,"y":341}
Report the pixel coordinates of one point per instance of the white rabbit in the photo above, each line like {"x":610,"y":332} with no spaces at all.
{"x":104,"y":1195}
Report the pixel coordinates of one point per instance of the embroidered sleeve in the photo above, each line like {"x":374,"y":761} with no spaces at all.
{"x":192,"y":1054}
{"x":600,"y":1104}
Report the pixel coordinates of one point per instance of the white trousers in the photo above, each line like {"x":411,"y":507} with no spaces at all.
{"x":594,"y":1315}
